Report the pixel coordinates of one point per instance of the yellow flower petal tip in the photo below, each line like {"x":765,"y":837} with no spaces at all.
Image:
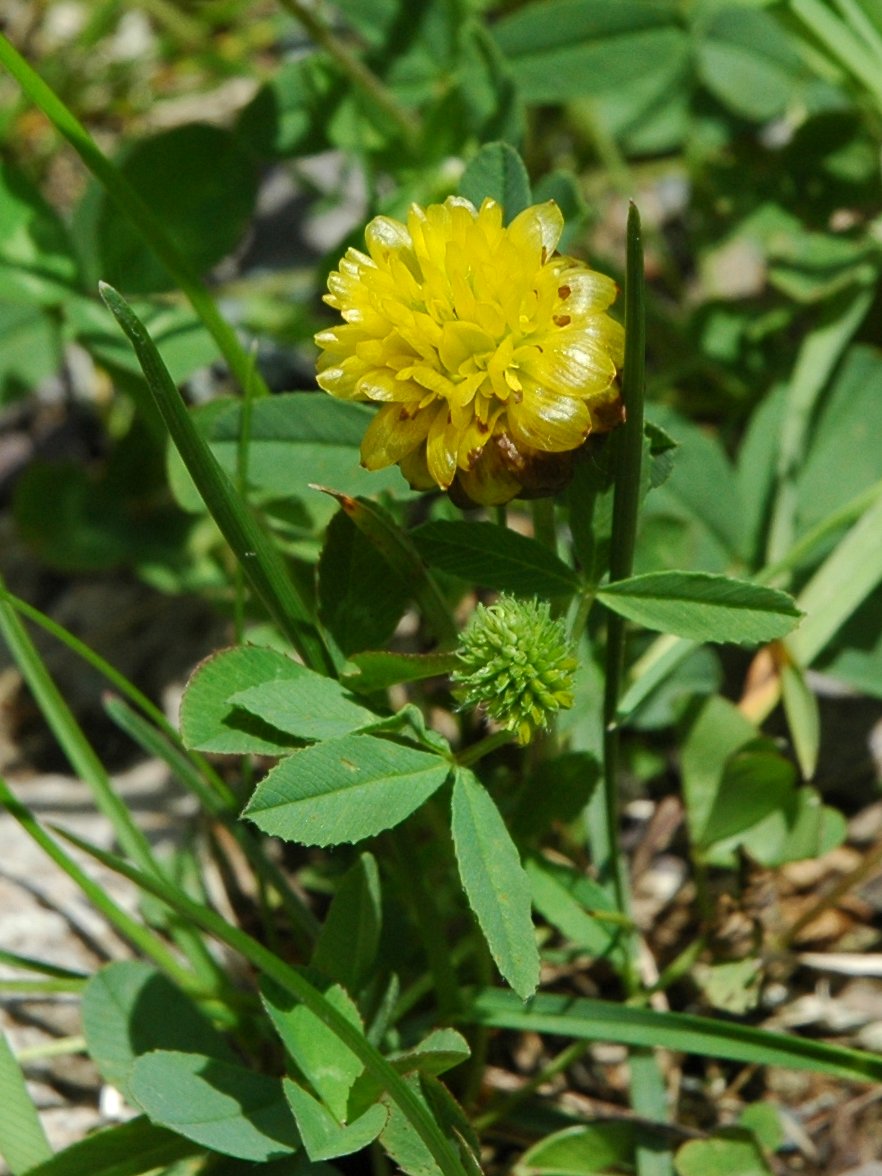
{"x":491,"y":356}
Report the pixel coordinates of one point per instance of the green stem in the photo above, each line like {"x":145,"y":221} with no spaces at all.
{"x":626,"y":504}
{"x":61,"y":1047}
{"x":580,"y":619}
{"x":136,"y":210}
{"x":648,"y":1096}
{"x":544,"y":527}
{"x":359,"y":74}
{"x":471,"y":755}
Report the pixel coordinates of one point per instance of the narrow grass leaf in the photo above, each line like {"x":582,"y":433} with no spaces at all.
{"x":217,"y":1104}
{"x":140,"y":700}
{"x":23,"y":1142}
{"x":845,"y":579}
{"x":77,"y":749}
{"x":344,"y":790}
{"x":818,"y":356}
{"x":495,"y":882}
{"x":141,"y":937}
{"x":597,"y":1020}
{"x":261,"y":562}
{"x":803,"y":717}
{"x":703,"y":607}
{"x":495,"y":557}
{"x":14,"y":960}
{"x":128,"y":1149}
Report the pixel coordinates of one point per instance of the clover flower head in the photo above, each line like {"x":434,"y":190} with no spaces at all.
{"x":517,"y":664}
{"x":491,"y":356}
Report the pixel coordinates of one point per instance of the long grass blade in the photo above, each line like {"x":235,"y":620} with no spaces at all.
{"x":141,"y":938}
{"x":259,"y":559}
{"x":817,"y":358}
{"x":598,"y":1020}
{"x":843,"y":582}
{"x":76,"y":747}
{"x":126,"y":688}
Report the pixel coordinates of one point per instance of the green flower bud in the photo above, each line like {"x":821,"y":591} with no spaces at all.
{"x":517,"y":665}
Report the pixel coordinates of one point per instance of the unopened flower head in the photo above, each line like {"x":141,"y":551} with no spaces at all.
{"x":517,"y":664}
{"x":491,"y":356}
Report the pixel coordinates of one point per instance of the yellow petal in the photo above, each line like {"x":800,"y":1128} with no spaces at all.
{"x":537,"y":229}
{"x":382,"y":385}
{"x":384,"y":236}
{"x":341,"y":378}
{"x":392,"y":434}
{"x":461,"y":342}
{"x":573,"y":366}
{"x":441,"y":446}
{"x":547,"y":421}
{"x":583,"y":291}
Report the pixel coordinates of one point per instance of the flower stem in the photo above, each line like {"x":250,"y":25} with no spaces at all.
{"x":471,"y":755}
{"x":648,"y":1094}
{"x":544,"y":528}
{"x":626,"y":503}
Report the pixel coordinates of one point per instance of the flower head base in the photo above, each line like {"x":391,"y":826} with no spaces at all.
{"x":516,"y":664}
{"x":492,"y":357}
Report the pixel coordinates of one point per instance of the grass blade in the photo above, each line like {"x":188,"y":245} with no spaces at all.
{"x":79,"y":752}
{"x":598,"y":1020}
{"x":817,"y":358}
{"x":140,"y":937}
{"x":259,"y":559}
{"x":841,"y":583}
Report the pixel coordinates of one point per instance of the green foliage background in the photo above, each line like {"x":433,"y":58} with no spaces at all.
{"x":749,"y":134}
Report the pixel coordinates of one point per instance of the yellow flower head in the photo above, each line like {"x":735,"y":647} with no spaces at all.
{"x":489,"y":354}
